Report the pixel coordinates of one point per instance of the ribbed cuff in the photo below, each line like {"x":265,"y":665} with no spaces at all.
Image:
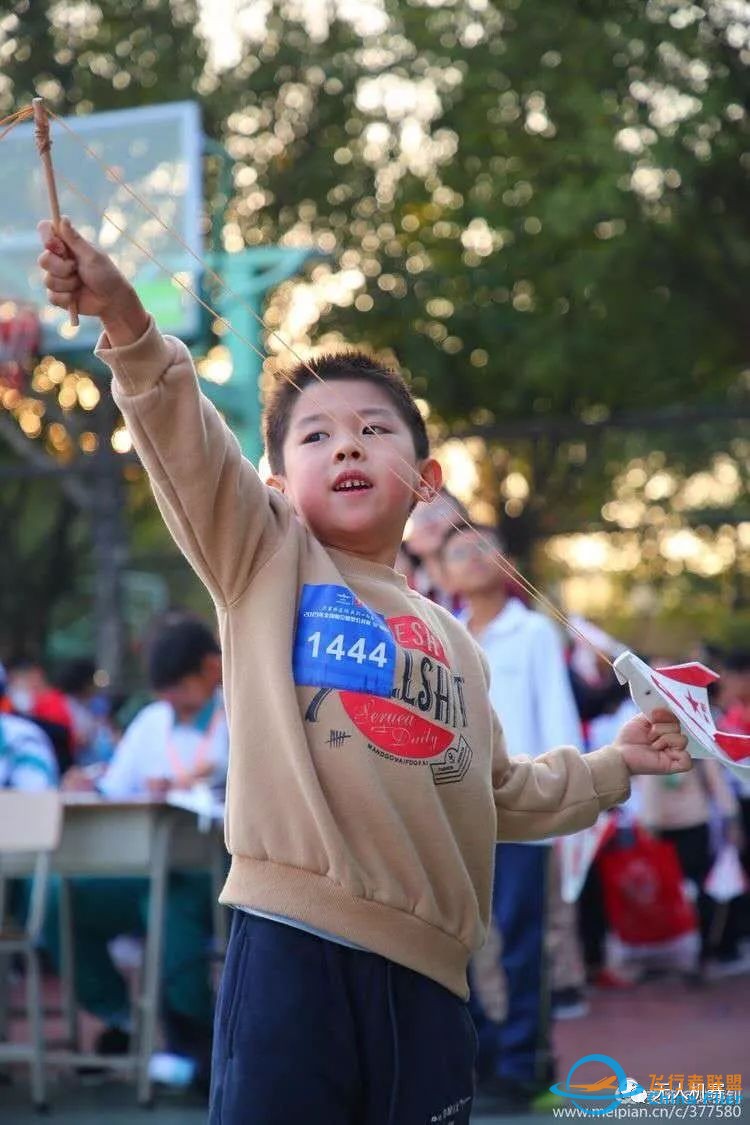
{"x":610,"y":775}
{"x":138,"y":366}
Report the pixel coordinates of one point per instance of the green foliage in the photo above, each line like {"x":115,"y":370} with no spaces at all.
{"x":556,"y":222}
{"x":107,"y":55}
{"x":44,"y":545}
{"x":547,"y":202}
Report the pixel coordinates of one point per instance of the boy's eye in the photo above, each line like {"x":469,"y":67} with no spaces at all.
{"x":373,"y":429}
{"x":316,"y":435}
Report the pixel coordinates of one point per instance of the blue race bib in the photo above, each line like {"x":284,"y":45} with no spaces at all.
{"x":340,"y":643}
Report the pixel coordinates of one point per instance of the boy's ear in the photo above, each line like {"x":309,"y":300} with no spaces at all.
{"x":431,"y":475}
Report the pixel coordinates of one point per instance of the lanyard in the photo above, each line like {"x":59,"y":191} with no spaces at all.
{"x":182,"y":776}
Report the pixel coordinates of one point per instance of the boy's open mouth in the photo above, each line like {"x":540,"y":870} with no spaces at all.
{"x":351,"y":482}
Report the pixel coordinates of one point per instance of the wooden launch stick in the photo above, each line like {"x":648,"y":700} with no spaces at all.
{"x":44,"y":145}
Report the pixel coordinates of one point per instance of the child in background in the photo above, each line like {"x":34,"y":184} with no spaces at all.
{"x":735,"y":718}
{"x":681,"y":810}
{"x":173,"y":742}
{"x":531,"y":693}
{"x":93,"y":739}
{"x":425,"y":532}
{"x":27,"y":759}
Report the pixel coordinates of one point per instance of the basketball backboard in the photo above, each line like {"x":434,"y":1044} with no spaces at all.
{"x":157,"y":151}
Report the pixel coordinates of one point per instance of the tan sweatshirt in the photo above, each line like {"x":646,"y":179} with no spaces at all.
{"x":368,"y":779}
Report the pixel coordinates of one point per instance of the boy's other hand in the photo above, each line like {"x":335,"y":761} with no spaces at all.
{"x":74,"y":270}
{"x":654,"y":744}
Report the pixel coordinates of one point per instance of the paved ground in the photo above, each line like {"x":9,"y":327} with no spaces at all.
{"x":665,"y":1027}
{"x":661,"y":1029}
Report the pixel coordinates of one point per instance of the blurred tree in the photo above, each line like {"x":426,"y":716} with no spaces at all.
{"x":530,"y":193}
{"x":94,"y":56}
{"x":539,"y":209}
{"x":542,"y":211}
{"x":546,"y":206}
{"x":44,"y":544}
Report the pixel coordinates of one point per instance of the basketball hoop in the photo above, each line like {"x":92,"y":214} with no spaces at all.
{"x":20,"y":337}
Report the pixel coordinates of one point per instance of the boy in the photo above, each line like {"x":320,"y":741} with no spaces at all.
{"x":368,"y":777}
{"x":180,"y":738}
{"x":427,"y":528}
{"x":27,"y":760}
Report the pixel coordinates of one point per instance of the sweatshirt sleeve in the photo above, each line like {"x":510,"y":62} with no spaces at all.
{"x":559,"y":792}
{"x":223,"y":518}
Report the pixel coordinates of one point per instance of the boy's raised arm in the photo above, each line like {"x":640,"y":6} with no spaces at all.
{"x":221,"y":515}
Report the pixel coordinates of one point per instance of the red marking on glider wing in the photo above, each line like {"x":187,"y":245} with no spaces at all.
{"x":736,"y":746}
{"x":696,"y":675}
{"x":703,"y":724}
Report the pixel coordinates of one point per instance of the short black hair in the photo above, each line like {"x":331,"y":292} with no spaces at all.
{"x":76,"y":675}
{"x":178,"y":651}
{"x":345,"y":365}
{"x":485,"y":529}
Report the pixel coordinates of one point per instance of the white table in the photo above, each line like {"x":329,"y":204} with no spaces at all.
{"x":114,"y":839}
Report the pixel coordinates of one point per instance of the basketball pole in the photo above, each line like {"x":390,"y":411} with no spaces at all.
{"x":44,"y":147}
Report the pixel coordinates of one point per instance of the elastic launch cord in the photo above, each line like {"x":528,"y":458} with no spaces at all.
{"x":10,"y":122}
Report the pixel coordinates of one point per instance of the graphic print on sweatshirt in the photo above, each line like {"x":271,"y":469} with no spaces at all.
{"x":392,"y":678}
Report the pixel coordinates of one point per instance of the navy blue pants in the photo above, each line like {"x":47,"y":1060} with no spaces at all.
{"x":519,"y":1048}
{"x":309,"y":1030}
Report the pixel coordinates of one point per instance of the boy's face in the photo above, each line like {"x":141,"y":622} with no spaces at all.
{"x":470,"y":564}
{"x":350,"y":468}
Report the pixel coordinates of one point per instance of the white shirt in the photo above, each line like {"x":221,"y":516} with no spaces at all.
{"x":27,"y":759}
{"x":529,"y":684}
{"x":154,"y":745}
{"x":603,"y":730}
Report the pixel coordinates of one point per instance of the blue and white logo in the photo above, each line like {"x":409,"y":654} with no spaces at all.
{"x":599,"y":1093}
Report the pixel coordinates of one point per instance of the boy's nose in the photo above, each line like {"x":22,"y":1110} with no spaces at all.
{"x":349,"y":449}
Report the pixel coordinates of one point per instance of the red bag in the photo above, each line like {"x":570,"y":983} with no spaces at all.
{"x":643,"y":893}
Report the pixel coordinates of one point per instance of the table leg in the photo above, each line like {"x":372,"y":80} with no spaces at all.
{"x":151,"y":984}
{"x":4,"y":995}
{"x":36,"y":1028}
{"x":67,"y":965}
{"x":4,"y":966}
